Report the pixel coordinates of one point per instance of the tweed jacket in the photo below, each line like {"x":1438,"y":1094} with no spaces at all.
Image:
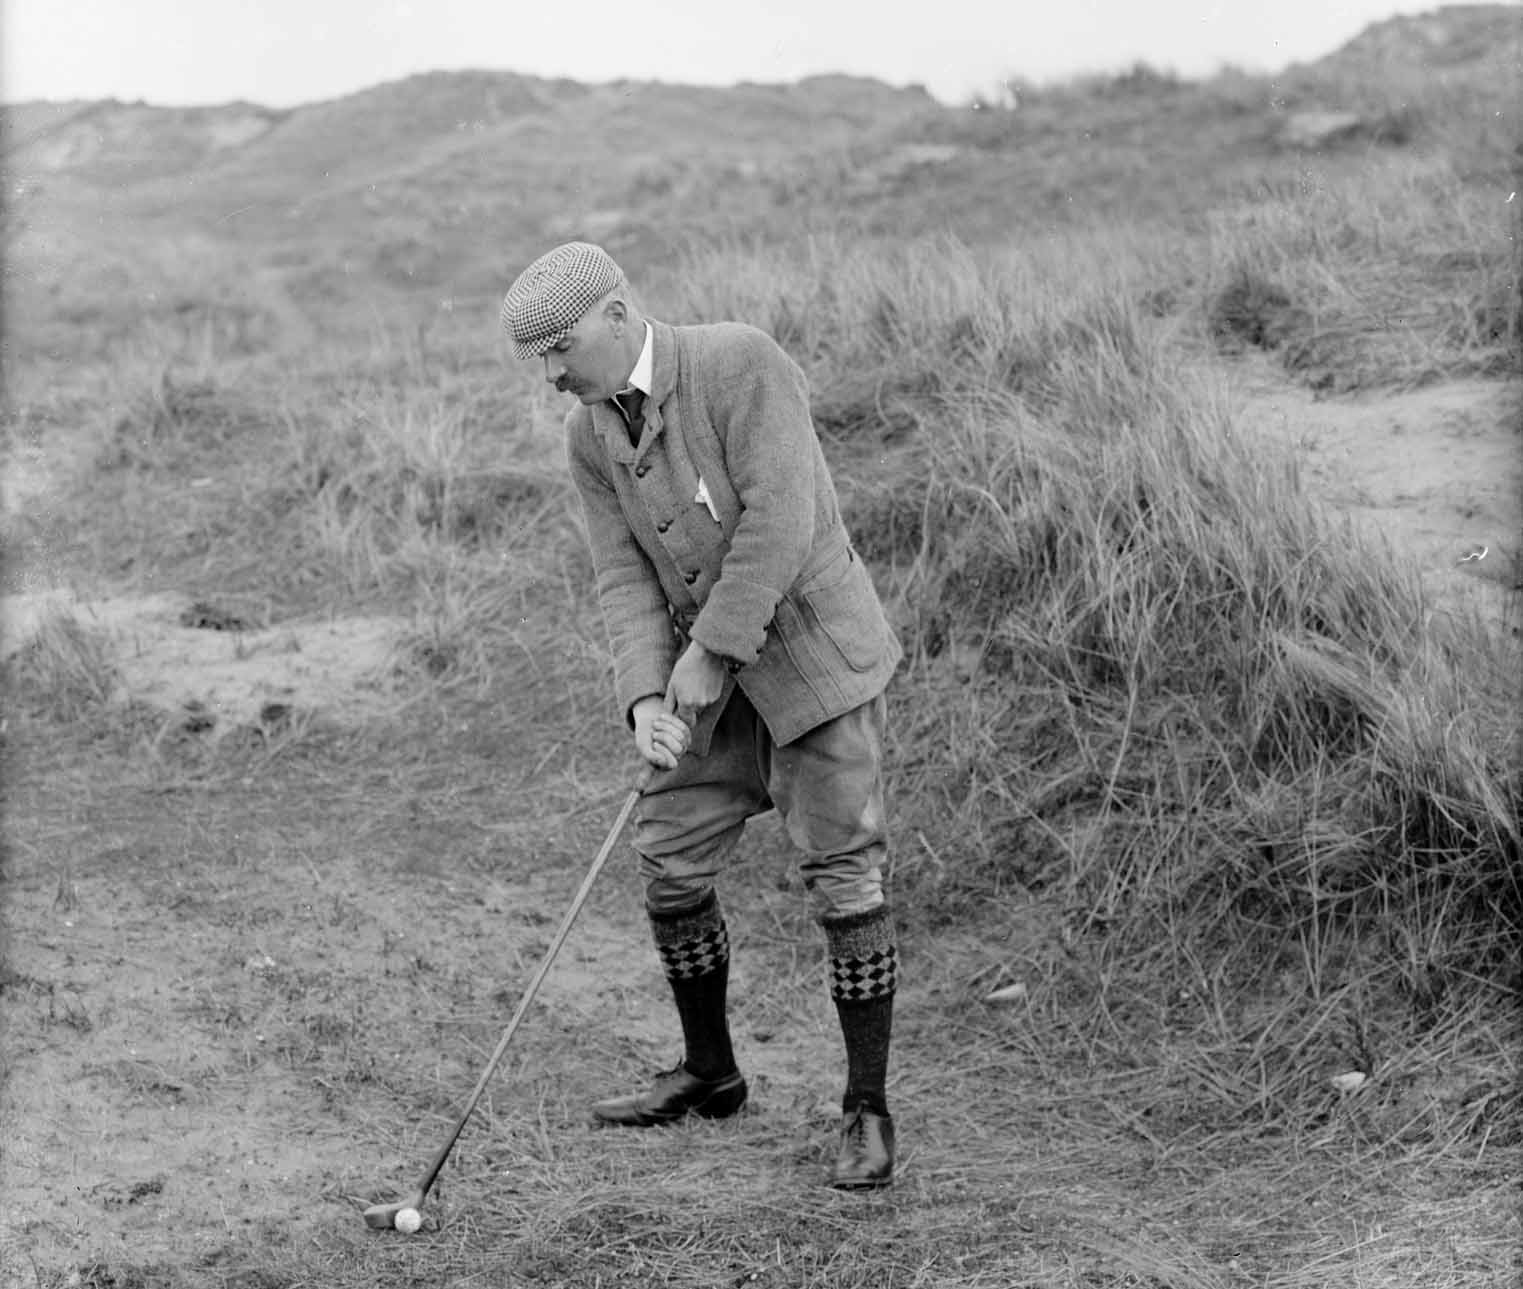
{"x":722,"y":526}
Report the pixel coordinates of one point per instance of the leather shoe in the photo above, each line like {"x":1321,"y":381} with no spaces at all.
{"x":674,"y":1093}
{"x":866,"y":1157}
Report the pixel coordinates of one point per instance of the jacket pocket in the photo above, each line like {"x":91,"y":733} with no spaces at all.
{"x":840,"y":602}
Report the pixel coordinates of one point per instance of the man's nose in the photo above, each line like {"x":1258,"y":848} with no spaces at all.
{"x":554,"y":368}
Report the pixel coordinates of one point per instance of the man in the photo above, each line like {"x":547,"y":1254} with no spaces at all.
{"x":732,"y":597}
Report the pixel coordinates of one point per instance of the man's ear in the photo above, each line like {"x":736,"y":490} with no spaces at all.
{"x":617,"y":313}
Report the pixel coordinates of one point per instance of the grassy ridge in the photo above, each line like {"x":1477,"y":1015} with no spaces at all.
{"x":1153,"y":687}
{"x":470,"y":172}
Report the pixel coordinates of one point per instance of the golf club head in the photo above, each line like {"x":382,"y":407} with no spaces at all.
{"x":383,"y":1217}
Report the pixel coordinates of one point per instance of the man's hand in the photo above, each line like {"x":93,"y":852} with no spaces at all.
{"x":697,"y":680}
{"x":659,"y":735}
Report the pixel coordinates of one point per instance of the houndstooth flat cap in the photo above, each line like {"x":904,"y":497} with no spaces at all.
{"x":552,"y":294}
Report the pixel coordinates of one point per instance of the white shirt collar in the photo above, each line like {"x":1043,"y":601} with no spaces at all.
{"x":640,"y":378}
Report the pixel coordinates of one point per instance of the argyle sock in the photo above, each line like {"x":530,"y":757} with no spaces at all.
{"x":695,"y":954}
{"x":864,"y":969}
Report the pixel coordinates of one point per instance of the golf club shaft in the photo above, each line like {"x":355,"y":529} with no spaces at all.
{"x":537,"y":979}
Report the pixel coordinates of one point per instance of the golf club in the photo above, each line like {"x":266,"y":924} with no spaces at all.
{"x":383,"y":1216}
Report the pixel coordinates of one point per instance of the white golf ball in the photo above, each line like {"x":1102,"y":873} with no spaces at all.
{"x":407,"y":1220}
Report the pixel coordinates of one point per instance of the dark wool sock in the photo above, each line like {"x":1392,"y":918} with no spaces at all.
{"x":864,"y":970}
{"x":695,"y":954}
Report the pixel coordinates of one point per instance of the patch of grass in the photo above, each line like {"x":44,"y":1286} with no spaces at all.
{"x":1153,"y":688}
{"x":173,"y":421}
{"x":1249,"y":311}
{"x":1398,"y":275}
{"x":64,"y":670}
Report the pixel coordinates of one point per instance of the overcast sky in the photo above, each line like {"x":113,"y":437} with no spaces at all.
{"x":285,"y":52}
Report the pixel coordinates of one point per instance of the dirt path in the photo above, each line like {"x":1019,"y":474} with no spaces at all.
{"x":1437,"y":471}
{"x":228,"y":1031}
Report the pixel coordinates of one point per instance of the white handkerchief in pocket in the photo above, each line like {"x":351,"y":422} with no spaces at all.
{"x":703,"y":496}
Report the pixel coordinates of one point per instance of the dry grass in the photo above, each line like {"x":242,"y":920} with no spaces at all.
{"x":1174,"y":750}
{"x":1397,"y":275}
{"x":65,"y":670}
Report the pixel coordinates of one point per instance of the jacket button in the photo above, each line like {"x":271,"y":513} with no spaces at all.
{"x":690,"y":577}
{"x":641,"y":471}
{"x":663,"y":525}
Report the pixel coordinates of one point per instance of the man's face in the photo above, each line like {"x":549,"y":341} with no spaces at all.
{"x":589,"y":360}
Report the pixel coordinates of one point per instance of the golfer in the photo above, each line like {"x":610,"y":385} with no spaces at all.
{"x":731,"y":594}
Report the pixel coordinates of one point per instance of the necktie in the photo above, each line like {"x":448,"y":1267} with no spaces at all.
{"x":632,"y":405}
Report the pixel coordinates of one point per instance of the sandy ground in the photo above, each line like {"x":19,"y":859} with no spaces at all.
{"x":196,"y":661}
{"x":1437,"y":471}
